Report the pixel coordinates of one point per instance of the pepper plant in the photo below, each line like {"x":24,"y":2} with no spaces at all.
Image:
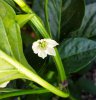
{"x":62,"y":33}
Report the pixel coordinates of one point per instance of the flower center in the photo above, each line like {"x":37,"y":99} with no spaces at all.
{"x":43,"y":44}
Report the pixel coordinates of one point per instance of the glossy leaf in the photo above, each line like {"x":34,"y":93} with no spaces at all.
{"x":72,"y":15}
{"x":77,"y":53}
{"x":50,"y":12}
{"x":88,"y":28}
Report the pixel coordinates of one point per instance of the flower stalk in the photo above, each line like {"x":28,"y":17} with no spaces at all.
{"x":38,"y":24}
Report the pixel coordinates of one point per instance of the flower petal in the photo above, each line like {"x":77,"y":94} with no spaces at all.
{"x":4,"y":84}
{"x":51,"y":43}
{"x":35,"y":47}
{"x":50,"y":51}
{"x":42,"y":54}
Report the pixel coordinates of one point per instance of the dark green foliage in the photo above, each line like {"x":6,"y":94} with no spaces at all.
{"x":70,"y":22}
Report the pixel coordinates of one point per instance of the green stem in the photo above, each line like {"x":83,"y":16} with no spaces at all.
{"x":57,"y":58}
{"x":23,"y":5}
{"x":46,"y":17}
{"x":22,"y":92}
{"x":39,"y":26}
{"x":31,"y":75}
{"x":44,"y":33}
{"x":60,"y":66}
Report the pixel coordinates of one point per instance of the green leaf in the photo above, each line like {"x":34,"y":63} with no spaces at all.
{"x":50,"y":12}
{"x":72,"y":15}
{"x":87,"y":85}
{"x":10,"y":43}
{"x":8,"y":71}
{"x":10,"y":36}
{"x":77,"y":53}
{"x":88,"y":28}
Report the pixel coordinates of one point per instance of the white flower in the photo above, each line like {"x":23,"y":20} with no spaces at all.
{"x":44,"y":47}
{"x":4,"y":84}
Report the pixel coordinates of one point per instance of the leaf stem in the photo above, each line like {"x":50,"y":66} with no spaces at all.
{"x":23,"y":92}
{"x":23,"y":5}
{"x":46,"y":17}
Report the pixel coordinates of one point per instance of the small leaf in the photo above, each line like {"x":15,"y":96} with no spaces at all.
{"x":77,"y":53}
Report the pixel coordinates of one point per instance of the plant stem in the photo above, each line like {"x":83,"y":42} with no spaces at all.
{"x":23,"y":92}
{"x":36,"y":21}
{"x":46,"y":17}
{"x":39,"y":26}
{"x":60,"y":66}
{"x":23,"y":5}
{"x":31,"y":75}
